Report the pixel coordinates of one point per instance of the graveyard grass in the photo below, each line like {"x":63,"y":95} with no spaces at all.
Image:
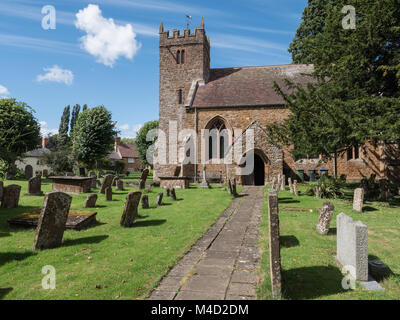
{"x":308,"y":267}
{"x":106,"y":261}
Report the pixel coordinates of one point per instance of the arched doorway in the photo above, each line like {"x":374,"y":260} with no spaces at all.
{"x":258,"y":173}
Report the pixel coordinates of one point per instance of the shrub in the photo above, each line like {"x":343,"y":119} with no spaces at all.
{"x":330,"y":187}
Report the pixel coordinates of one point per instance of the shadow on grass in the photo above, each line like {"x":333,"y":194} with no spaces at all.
{"x":289,"y":241}
{"x":242,"y":195}
{"x":142,"y":217}
{"x":149,"y":223}
{"x":4,"y":234}
{"x":4,"y":292}
{"x":369,"y":209}
{"x":288,"y":200}
{"x":86,"y":240}
{"x":311,"y":282}
{"x":332,"y":231}
{"x":14,"y":256}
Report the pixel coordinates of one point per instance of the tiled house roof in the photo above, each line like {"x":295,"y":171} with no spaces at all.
{"x":127,"y":150}
{"x":249,"y":86}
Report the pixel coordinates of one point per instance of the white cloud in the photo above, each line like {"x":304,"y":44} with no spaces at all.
{"x":45,"y":131}
{"x":4,"y":91}
{"x":105,"y":40}
{"x":56,"y":74}
{"x":137,"y":127}
{"x":123,"y":127}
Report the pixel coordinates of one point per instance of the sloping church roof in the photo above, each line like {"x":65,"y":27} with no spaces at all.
{"x":249,"y":86}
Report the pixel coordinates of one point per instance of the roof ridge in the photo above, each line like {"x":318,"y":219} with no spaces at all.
{"x":266,"y":66}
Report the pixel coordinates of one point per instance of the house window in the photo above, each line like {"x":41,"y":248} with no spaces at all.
{"x":180,"y":96}
{"x":131,"y":160}
{"x":353,"y":153}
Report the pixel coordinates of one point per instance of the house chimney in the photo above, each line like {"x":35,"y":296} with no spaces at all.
{"x":117,"y":143}
{"x":45,"y":141}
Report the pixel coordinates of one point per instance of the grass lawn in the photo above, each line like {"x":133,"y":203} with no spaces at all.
{"x":308,"y":267}
{"x":106,"y":261}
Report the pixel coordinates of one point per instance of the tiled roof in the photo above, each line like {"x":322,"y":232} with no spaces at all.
{"x":114,"y":156}
{"x":128,"y":150}
{"x":249,"y":86}
{"x":37,"y":153}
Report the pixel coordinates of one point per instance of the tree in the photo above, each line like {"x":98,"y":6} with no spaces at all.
{"x":128,"y":140}
{"x":355,"y":97}
{"x":84,"y":108}
{"x":141,"y":142}
{"x":64,"y":126}
{"x":60,"y":161}
{"x":314,"y":16}
{"x":93,"y":136}
{"x":75,"y":113}
{"x":19,"y":131}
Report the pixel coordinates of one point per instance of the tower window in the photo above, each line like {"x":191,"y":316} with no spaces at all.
{"x":183,"y":57}
{"x":180,"y":96}
{"x":178,"y":57}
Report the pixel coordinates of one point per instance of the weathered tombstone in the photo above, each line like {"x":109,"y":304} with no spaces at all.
{"x":145,"y":202}
{"x":52,"y":220}
{"x":159,"y":199}
{"x":11,"y":195}
{"x":384,"y":189}
{"x":82,"y":172}
{"x":45,"y":173}
{"x":108,"y":194}
{"x":28,"y":171}
{"x":364,"y":185}
{"x":168,"y":191}
{"x":234,"y":191}
{"x":107,"y":181}
{"x":1,"y":190}
{"x":143,"y":178}
{"x":325,"y":217}
{"x":274,"y":244}
{"x":98,"y":184}
{"x":317,"y":190}
{"x":290,"y":185}
{"x":35,"y":186}
{"x":273,"y":183}
{"x":173,"y":194}
{"x":358,"y":199}
{"x":120,"y":185}
{"x":352,"y":246}
{"x":94,"y":183}
{"x":204,"y":183}
{"x":130,"y":209}
{"x":90,"y":201}
{"x":283,"y":182}
{"x":230,"y":187}
{"x":295,"y":190}
{"x":114,"y":182}
{"x":278,"y":182}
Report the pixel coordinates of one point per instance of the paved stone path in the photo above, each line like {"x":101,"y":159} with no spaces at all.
{"x":221,"y":266}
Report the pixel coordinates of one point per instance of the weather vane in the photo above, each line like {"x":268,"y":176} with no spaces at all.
{"x":188,"y":21}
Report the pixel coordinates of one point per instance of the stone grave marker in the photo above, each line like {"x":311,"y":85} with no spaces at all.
{"x":52,"y":220}
{"x":35,"y":186}
{"x":234,"y":191}
{"x":290,"y":185}
{"x":28,"y":172}
{"x":352,"y":246}
{"x":283,"y":182}
{"x":274,"y":244}
{"x":273,"y":183}
{"x":143,"y":179}
{"x":325,"y":217}
{"x":130,"y":209}
{"x":159,"y":199}
{"x":317,"y":191}
{"x":204,"y":183}
{"x":295,"y":190}
{"x":98,"y":184}
{"x":107,"y":181}
{"x":90,"y":201}
{"x":45,"y":173}
{"x":173,"y":194}
{"x":94,"y":183}
{"x":109,"y":194}
{"x":384,"y":189}
{"x":120,"y":185}
{"x":114,"y":182}
{"x":145,"y":202}
{"x":230,"y":187}
{"x":364,"y":185}
{"x":10,"y":197}
{"x":168,"y":191}
{"x":358,"y":199}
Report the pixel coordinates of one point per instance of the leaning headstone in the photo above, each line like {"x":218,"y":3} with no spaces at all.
{"x":108,"y":194}
{"x":358,"y":199}
{"x":120,"y":185}
{"x":173,"y":194}
{"x":114,"y":182}
{"x":274,"y":244}
{"x":11,"y":195}
{"x":35,"y":186}
{"x":28,"y":172}
{"x":295,"y":190}
{"x":325,"y":217}
{"x":290,"y":185}
{"x":143,"y":178}
{"x":90,"y":201}
{"x":384,"y":189}
{"x":1,"y":190}
{"x":159,"y":199}
{"x":107,"y":181}
{"x":130,"y":209}
{"x":145,"y":202}
{"x":352,"y":246}
{"x":52,"y":220}
{"x":168,"y":191}
{"x":283,"y":182}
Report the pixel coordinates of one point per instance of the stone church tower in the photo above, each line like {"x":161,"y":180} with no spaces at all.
{"x":184,"y":62}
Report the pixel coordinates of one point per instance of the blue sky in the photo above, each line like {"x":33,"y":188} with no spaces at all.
{"x":86,"y":59}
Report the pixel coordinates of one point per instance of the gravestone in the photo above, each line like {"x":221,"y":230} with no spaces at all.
{"x":145,"y":202}
{"x":108,"y":194}
{"x":173,"y":194}
{"x":143,"y":178}
{"x":149,"y":189}
{"x":352,"y":246}
{"x":28,"y":172}
{"x":130,"y":209}
{"x":90,"y":201}
{"x":107,"y":181}
{"x":114,"y":182}
{"x":273,"y":183}
{"x":230,"y":187}
{"x":45,"y":173}
{"x":98,"y":184}
{"x":295,"y":190}
{"x":159,"y":199}
{"x":384,"y":189}
{"x":364,"y":185}
{"x":317,"y":191}
{"x":1,"y":190}
{"x":204,"y":183}
{"x":274,"y":244}
{"x":11,"y":195}
{"x":168,"y":191}
{"x":358,"y":199}
{"x":234,"y":191}
{"x":52,"y":220}
{"x":94,"y":183}
{"x":82,"y":172}
{"x":120,"y":185}
{"x":283,"y":182}
{"x":325,"y":217}
{"x":35,"y":186}
{"x":290,"y":185}
{"x":278,"y":182}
